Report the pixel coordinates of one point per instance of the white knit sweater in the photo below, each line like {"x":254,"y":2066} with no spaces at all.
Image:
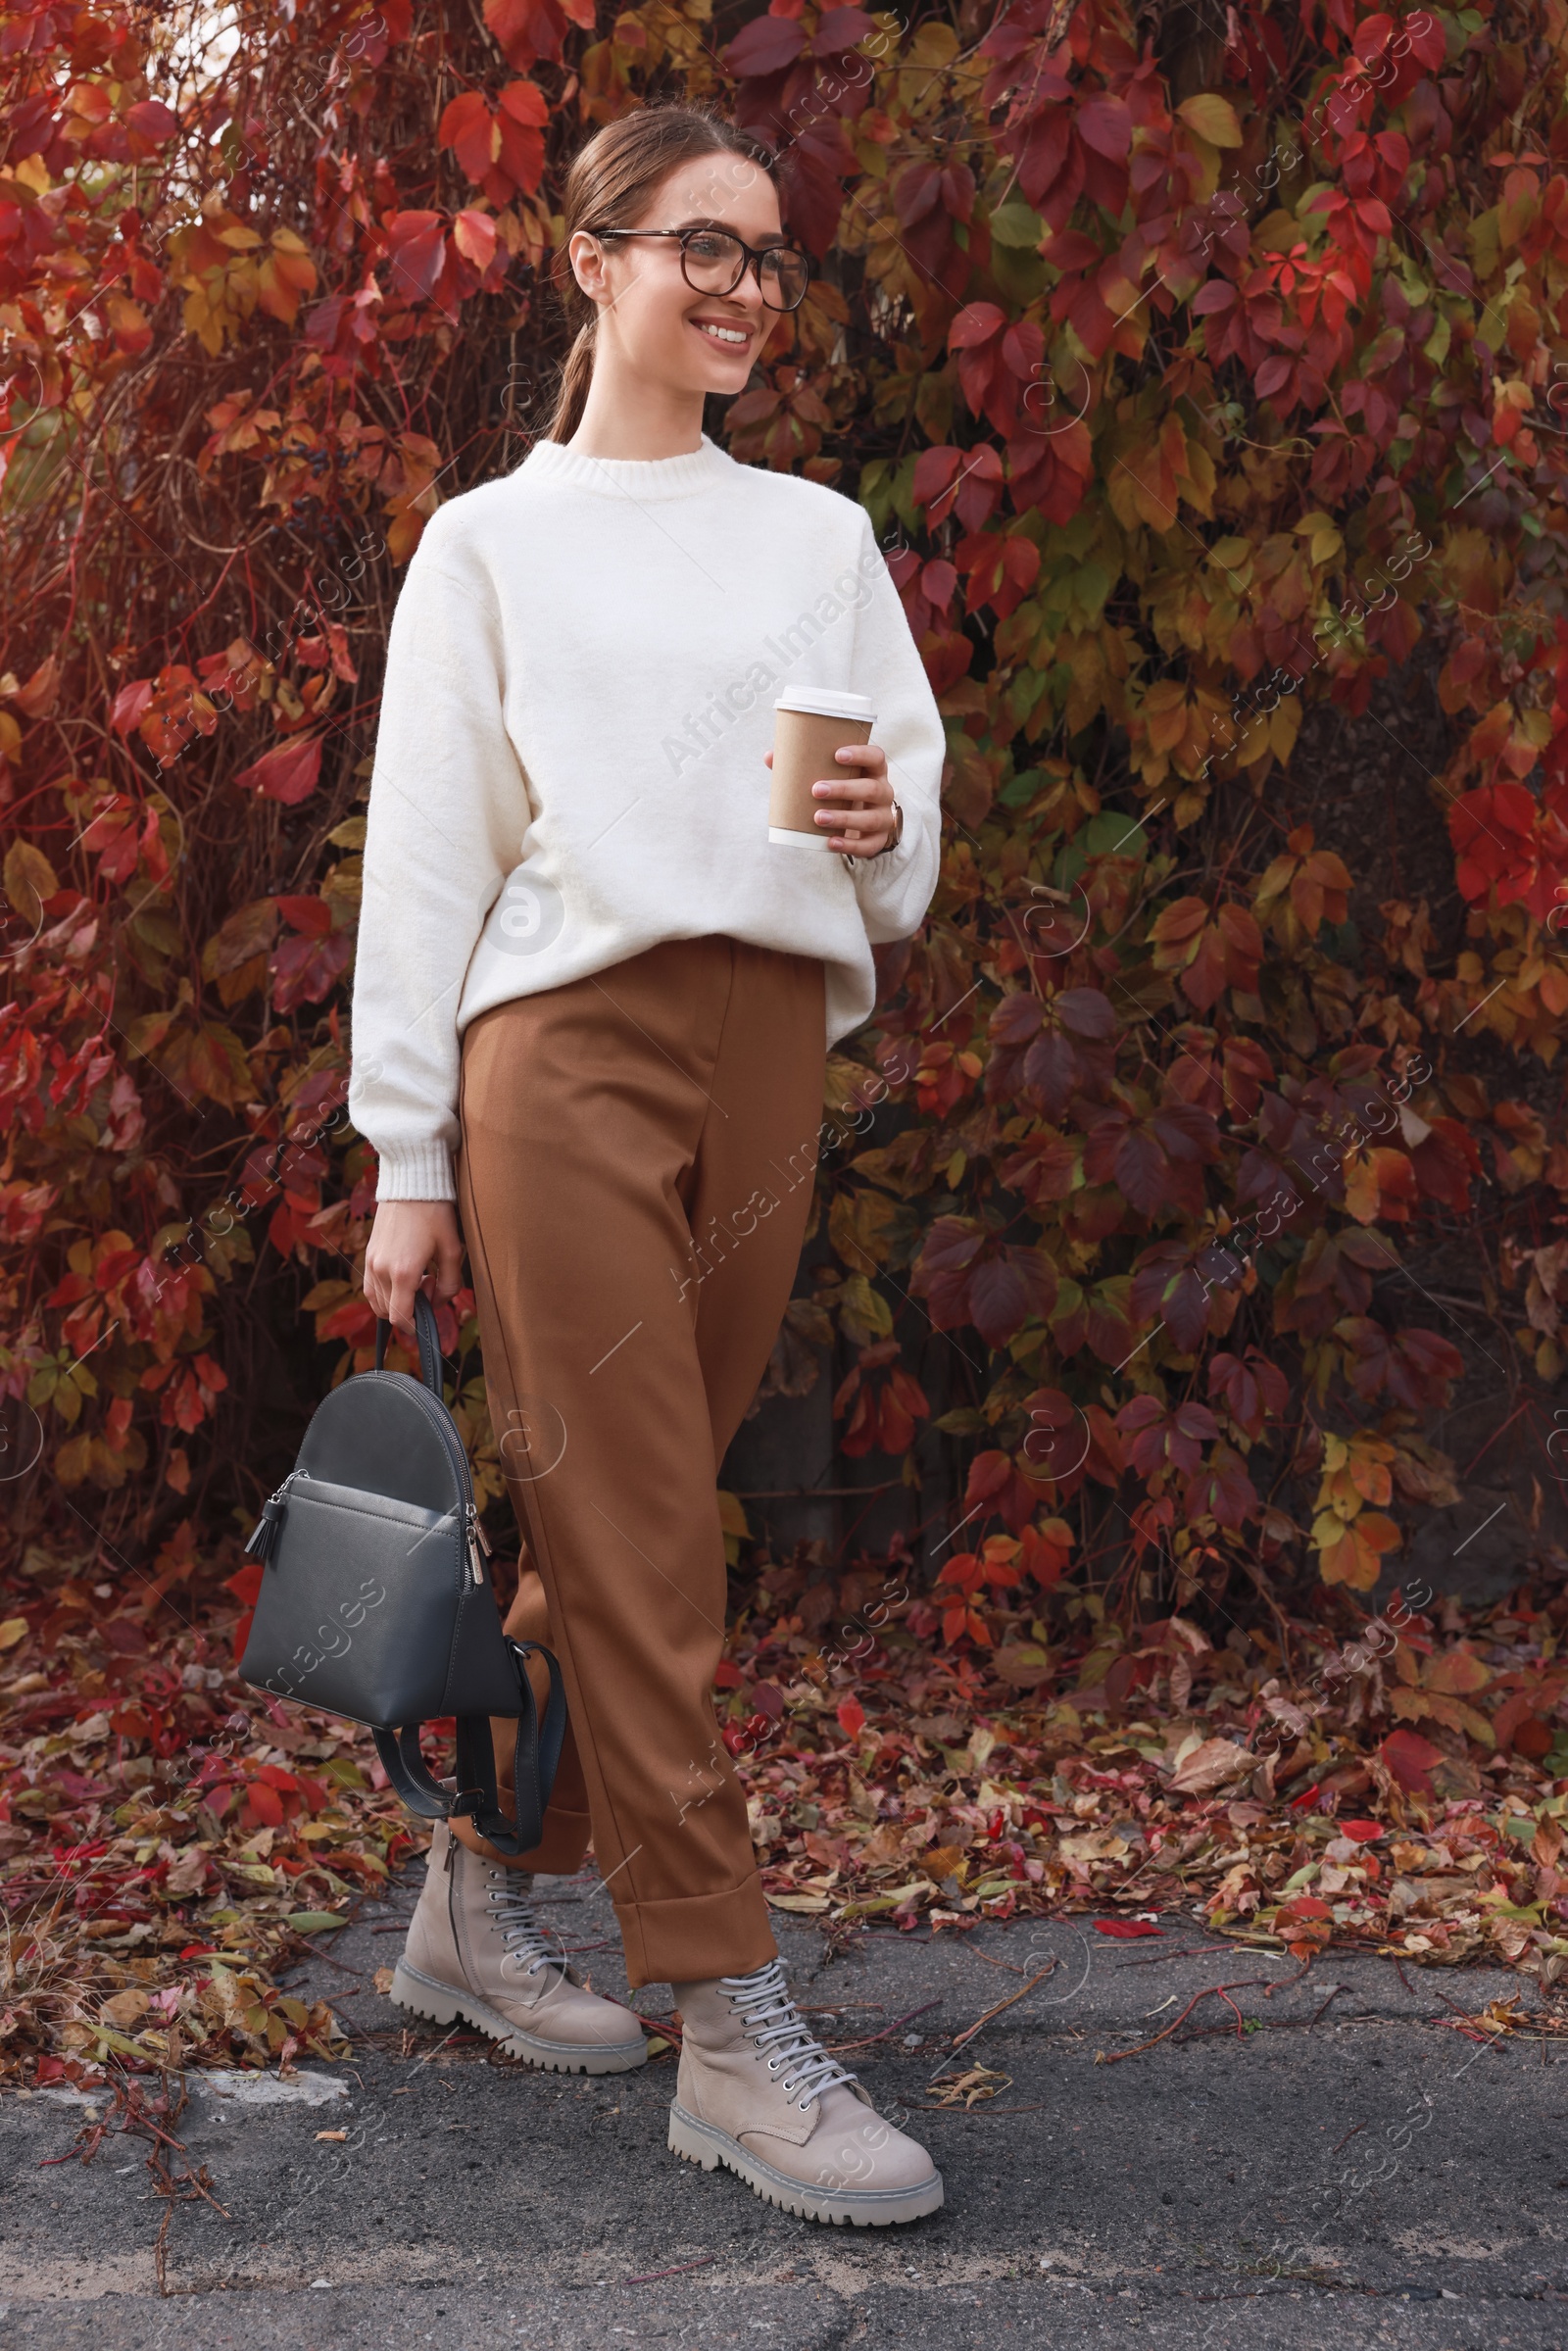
{"x":580,"y":679}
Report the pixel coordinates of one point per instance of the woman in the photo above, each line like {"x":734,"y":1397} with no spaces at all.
{"x":591,"y":1013}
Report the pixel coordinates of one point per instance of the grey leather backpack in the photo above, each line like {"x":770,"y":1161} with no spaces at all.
{"x":376,"y":1603}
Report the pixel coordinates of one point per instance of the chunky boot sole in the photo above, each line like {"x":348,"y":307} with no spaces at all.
{"x":861,"y":2207}
{"x":423,"y":1996}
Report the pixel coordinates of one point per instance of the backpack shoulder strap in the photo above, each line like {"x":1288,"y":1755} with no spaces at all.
{"x":535,"y":1759}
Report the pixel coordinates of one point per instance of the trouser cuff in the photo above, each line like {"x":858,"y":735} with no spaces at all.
{"x":697,"y":1936}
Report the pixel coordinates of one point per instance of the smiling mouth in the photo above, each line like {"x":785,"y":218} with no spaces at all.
{"x":728,"y":337}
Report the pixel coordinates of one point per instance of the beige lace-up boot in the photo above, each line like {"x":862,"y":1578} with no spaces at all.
{"x":477,"y":1950}
{"x":759,"y":2093}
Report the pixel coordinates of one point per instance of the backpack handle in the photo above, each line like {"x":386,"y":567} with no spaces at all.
{"x":424,"y":1331}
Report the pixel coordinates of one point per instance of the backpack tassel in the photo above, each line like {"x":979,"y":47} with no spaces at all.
{"x":264,"y":1535}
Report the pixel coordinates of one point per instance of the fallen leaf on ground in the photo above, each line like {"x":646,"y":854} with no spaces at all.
{"x":1211,"y":1765}
{"x":964,"y":2089}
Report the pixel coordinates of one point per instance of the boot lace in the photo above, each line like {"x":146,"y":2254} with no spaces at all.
{"x":524,"y":1937}
{"x":774,"y":2021}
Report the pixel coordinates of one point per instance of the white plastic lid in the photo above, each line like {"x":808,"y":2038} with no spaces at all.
{"x":825,"y":702}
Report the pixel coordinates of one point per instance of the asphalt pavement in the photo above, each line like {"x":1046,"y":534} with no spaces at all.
{"x":1332,"y":2163}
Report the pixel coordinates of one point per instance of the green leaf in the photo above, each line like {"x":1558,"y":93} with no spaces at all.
{"x":119,"y":2043}
{"x":314,"y":1922}
{"x":1025,"y":1664}
{"x":1114,"y":834}
{"x":1016,"y":225}
{"x":865,"y":1314}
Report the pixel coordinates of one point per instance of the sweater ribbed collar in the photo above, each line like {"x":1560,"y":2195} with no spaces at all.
{"x":628,"y":477}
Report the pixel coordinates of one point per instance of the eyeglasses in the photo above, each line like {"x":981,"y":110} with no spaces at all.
{"x":714,"y":261}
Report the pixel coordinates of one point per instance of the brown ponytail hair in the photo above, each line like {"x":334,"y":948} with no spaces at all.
{"x":608,"y":185}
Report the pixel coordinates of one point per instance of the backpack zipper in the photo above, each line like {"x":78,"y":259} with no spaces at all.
{"x":265,"y":1534}
{"x":479,"y":1541}
{"x":459,"y":1462}
{"x":443,"y":1421}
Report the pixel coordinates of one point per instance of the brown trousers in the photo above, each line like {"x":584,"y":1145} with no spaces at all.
{"x":636,"y":1166}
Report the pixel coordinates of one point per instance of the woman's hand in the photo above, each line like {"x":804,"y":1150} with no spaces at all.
{"x":408,"y":1240}
{"x":855,"y":831}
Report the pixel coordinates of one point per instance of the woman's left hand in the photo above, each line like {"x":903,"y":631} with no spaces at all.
{"x":859,"y":820}
{"x":869,"y":828}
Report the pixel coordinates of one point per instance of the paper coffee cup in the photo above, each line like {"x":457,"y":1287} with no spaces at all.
{"x":809,"y":724}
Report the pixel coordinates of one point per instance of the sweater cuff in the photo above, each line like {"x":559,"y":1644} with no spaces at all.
{"x":416,"y":1171}
{"x":885,"y":859}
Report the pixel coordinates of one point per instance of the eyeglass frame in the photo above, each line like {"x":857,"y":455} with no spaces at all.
{"x":752,"y":255}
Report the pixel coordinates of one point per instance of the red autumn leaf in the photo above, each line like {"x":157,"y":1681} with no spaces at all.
{"x":310,"y":914}
{"x":1211,"y":955}
{"x":1444,"y":1161}
{"x":1086,"y":1011}
{"x":976,"y":325}
{"x":416,"y":253}
{"x":467,"y":127}
{"x":130,"y":703}
{"x":942,"y":1270}
{"x":1499,"y":833}
{"x":1139,"y":1167}
{"x":305,"y":968}
{"x":524,"y":112}
{"x":1410,"y":1759}
{"x":152,"y":121}
{"x":996,"y":1485}
{"x":998,"y":1293}
{"x":289,"y":773}
{"x":1222,"y":1491}
{"x":935,"y":472}
{"x":1418,"y":1368}
{"x":1106,"y":124}
{"x":529,"y":30}
{"x":1425,"y":36}
{"x":1051,"y":1073}
{"x":1251,"y":1390}
{"x":1106,"y":1324}
{"x":1127,"y":1931}
{"x":1015,"y":1287}
{"x":841,"y":29}
{"x":766,"y":45}
{"x":851,"y":1717}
